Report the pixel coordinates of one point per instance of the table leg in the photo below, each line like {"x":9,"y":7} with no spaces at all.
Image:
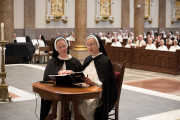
{"x":65,"y":113}
{"x":54,"y":111}
{"x":76,"y":112}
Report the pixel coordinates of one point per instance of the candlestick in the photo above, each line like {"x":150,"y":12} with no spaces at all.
{"x":2,"y":31}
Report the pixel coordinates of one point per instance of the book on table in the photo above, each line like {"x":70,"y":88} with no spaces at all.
{"x":72,"y":78}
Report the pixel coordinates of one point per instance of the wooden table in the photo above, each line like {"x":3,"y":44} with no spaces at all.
{"x":66,"y":93}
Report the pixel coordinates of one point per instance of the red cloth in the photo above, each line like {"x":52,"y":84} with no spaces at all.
{"x":117,"y":77}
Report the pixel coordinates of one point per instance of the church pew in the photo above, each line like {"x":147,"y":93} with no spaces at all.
{"x":152,"y":60}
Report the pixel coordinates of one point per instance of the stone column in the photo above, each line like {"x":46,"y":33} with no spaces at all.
{"x":125,"y":16}
{"x":138,"y":18}
{"x":7,"y":17}
{"x":29,"y":14}
{"x":162,"y":14}
{"x":80,"y":25}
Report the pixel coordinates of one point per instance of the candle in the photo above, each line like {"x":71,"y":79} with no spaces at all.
{"x":2,"y":31}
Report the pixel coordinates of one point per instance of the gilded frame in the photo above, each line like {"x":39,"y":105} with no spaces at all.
{"x":174,"y":5}
{"x":148,"y":16}
{"x":100,"y":12}
{"x":50,"y":15}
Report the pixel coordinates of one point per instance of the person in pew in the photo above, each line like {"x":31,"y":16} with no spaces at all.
{"x":168,"y":41}
{"x":159,"y":40}
{"x":114,"y":35}
{"x":176,"y":36}
{"x":116,"y":43}
{"x":104,"y":37}
{"x":162,"y":47}
{"x":107,"y":34}
{"x":150,"y":45}
{"x":155,"y":42}
{"x":41,"y":43}
{"x":100,"y":73}
{"x":72,"y":36}
{"x":174,"y":47}
{"x":155,"y":35}
{"x":151,"y":33}
{"x":120,"y":36}
{"x":15,"y":41}
{"x":145,"y":35}
{"x":61,"y":60}
{"x":130,"y":44}
{"x":127,"y":33}
{"x":140,"y":42}
{"x":136,"y":40}
{"x":131,"y":36}
{"x":58,"y":34}
{"x":100,"y":34}
{"x":169,"y":35}
{"x":109,"y":39}
{"x":126,"y":36}
{"x":65,"y":35}
{"x":178,"y":39}
{"x":117,"y":35}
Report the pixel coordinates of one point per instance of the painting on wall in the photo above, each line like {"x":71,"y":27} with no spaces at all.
{"x":104,"y":11}
{"x":56,"y":10}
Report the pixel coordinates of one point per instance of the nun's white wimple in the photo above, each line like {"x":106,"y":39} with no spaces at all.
{"x":92,"y":36}
{"x":56,"y":41}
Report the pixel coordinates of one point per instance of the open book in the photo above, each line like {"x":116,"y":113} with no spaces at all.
{"x":68,"y":78}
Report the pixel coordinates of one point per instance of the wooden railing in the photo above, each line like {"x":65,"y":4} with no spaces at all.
{"x":152,"y":60}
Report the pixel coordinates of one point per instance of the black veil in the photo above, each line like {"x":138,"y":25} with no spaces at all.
{"x":55,"y":53}
{"x":101,"y":47}
{"x":28,"y":38}
{"x":42,"y":37}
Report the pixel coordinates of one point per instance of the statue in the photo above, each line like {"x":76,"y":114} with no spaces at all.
{"x":146,"y":9}
{"x":104,"y":8}
{"x":57,"y":7}
{"x":177,"y":10}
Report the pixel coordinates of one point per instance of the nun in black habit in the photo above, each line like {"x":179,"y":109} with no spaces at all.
{"x":60,"y":61}
{"x":100,"y":73}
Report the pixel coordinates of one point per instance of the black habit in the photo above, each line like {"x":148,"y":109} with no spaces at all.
{"x":52,"y":68}
{"x":106,"y":75}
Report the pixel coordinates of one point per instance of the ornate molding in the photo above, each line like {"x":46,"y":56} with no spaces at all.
{"x":57,"y":10}
{"x":148,"y":16}
{"x":104,"y":11}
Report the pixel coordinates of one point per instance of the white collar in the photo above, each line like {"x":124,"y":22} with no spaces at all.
{"x":67,"y":58}
{"x":97,"y":55}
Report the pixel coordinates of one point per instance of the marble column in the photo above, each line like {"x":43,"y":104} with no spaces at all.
{"x":125,"y":14}
{"x":29,"y":14}
{"x":80,"y":25}
{"x":138,"y":18}
{"x":162,"y":14}
{"x":7,"y":17}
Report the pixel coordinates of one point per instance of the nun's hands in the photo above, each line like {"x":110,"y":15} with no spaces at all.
{"x":65,"y":72}
{"x":88,"y":81}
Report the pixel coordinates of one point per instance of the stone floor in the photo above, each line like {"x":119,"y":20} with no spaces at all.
{"x":145,"y":95}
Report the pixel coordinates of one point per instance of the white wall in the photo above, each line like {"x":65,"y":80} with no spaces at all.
{"x":18,"y":14}
{"x":168,"y":16}
{"x":154,"y":24}
{"x":91,"y":11}
{"x":131,"y":14}
{"x":41,"y":14}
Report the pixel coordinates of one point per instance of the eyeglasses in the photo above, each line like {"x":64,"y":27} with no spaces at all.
{"x":91,"y":45}
{"x":62,"y":47}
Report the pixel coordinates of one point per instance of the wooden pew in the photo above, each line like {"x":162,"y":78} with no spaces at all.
{"x":152,"y":60}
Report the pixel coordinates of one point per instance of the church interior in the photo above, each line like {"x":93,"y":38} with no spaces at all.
{"x":140,"y":36}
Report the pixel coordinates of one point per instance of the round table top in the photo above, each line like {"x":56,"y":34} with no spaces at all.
{"x":66,"y":92}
